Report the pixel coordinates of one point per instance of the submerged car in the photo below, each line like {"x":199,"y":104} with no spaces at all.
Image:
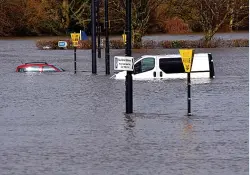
{"x":170,"y":67}
{"x":38,"y":67}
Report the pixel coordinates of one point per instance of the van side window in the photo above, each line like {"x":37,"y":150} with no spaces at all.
{"x":171,"y":65}
{"x":144,"y":65}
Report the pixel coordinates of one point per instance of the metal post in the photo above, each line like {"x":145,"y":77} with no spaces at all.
{"x":107,"y":56}
{"x":189,"y":93}
{"x":129,"y":80}
{"x":93,"y":39}
{"x":75,"y":60}
{"x":98,"y":28}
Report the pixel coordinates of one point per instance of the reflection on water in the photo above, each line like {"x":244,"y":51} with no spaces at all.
{"x":61,"y":123}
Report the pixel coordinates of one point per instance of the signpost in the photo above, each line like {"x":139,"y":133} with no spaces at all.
{"x":75,"y":37}
{"x":187,"y":60}
{"x":107,"y":55}
{"x":93,"y":37}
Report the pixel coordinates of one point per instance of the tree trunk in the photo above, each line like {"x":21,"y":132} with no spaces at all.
{"x":65,"y":11}
{"x":231,"y":18}
{"x":208,"y":35}
{"x":137,"y":39}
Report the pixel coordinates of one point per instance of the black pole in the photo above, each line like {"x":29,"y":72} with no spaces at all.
{"x":98,"y":28}
{"x":107,"y":57}
{"x":93,"y":39}
{"x":189,"y":93}
{"x":129,"y":80}
{"x":75,"y":60}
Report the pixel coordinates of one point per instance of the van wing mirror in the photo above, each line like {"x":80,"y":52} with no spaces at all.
{"x":137,"y":67}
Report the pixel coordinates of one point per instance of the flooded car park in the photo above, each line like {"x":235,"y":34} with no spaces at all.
{"x":75,"y":124}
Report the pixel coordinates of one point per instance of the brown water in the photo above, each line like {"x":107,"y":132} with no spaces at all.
{"x":66,"y":124}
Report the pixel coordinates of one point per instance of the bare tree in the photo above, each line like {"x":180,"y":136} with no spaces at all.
{"x":11,"y":17}
{"x":209,"y":14}
{"x":141,"y":13}
{"x":213,"y":14}
{"x":239,"y":14}
{"x":75,"y":10}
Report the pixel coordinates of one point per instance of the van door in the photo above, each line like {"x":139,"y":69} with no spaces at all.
{"x":145,"y":68}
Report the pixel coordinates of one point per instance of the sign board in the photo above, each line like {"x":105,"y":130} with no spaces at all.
{"x":124,"y":63}
{"x":62,"y":44}
{"x":124,"y":38}
{"x":75,"y":37}
{"x":187,"y":58}
{"x":83,"y":35}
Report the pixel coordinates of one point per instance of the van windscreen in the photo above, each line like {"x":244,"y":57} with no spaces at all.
{"x":171,"y":65}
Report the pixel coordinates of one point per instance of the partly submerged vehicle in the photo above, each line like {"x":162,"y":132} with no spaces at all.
{"x":38,"y":67}
{"x":170,"y":67}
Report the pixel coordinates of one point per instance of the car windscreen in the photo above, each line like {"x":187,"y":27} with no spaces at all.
{"x":59,"y":68}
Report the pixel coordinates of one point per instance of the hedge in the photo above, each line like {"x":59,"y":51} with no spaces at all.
{"x":150,"y":44}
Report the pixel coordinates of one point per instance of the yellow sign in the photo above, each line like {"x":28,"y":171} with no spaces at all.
{"x":124,"y":38}
{"x":75,"y":37}
{"x":187,"y":58}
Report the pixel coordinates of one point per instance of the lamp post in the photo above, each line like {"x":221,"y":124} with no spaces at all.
{"x":129,"y":80}
{"x":107,"y":56}
{"x":98,"y":28}
{"x":93,"y":38}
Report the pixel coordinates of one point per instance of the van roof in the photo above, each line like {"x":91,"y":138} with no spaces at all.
{"x":175,"y":55}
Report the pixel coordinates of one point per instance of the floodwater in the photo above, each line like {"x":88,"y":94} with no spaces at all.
{"x":197,"y":36}
{"x":67,"y":124}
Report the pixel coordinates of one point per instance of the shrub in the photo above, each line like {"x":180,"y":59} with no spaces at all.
{"x":240,"y":43}
{"x":52,"y":44}
{"x":175,"y":26}
{"x":85,"y":44}
{"x":150,"y":44}
{"x":116,"y":44}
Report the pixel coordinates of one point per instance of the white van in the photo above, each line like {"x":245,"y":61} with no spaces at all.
{"x":170,"y":67}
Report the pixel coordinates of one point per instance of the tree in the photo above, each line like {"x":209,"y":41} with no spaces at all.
{"x":75,"y":11}
{"x":239,"y":14}
{"x":42,"y":17}
{"x":142,"y":11}
{"x":10,"y":21}
{"x":211,"y":15}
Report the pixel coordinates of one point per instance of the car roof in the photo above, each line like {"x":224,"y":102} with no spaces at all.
{"x":33,"y":64}
{"x":36,"y":63}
